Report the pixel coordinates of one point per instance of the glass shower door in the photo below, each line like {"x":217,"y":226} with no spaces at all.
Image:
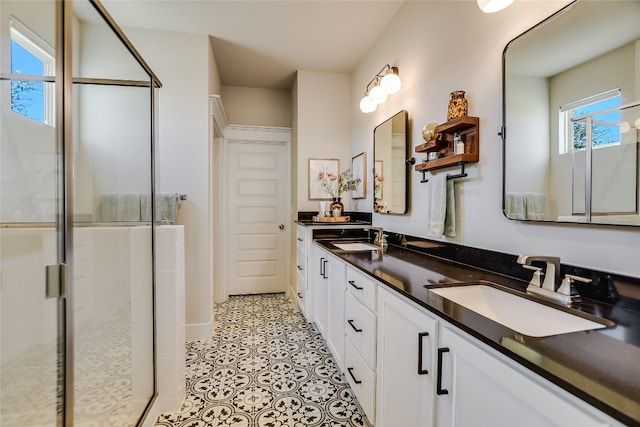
{"x":112,"y":227}
{"x":76,"y":219}
{"x":31,"y":325}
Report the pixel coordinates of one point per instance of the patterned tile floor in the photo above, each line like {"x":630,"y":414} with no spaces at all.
{"x":266,"y":366}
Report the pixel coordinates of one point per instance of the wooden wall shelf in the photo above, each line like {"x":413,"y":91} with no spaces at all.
{"x":469,"y":129}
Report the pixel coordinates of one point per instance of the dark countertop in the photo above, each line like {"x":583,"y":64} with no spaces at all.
{"x":601,"y":367}
{"x":308,"y":223}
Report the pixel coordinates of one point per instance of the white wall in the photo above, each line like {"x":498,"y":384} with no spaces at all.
{"x":321,"y":127}
{"x":181,"y":63}
{"x":461,"y":48}
{"x":257,"y":107}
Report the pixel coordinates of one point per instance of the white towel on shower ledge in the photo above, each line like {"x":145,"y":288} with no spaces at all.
{"x":120,"y":207}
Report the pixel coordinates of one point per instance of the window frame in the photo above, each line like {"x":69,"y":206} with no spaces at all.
{"x":565,"y":125}
{"x":38,"y":47}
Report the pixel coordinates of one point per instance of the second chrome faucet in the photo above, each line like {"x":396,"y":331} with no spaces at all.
{"x":550,"y":289}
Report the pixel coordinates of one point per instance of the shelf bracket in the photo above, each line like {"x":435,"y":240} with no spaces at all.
{"x":462,"y":173}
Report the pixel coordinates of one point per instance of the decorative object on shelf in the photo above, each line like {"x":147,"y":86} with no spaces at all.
{"x":336,"y":207}
{"x":359,"y":166}
{"x":316,"y":167}
{"x":465,"y":131}
{"x":386,"y":82}
{"x":458,"y":144}
{"x":429,"y":131}
{"x":490,"y":6}
{"x":458,"y":105}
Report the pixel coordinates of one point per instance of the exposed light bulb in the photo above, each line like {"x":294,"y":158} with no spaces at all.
{"x":625,"y":127}
{"x":391,"y":83}
{"x":367,"y":105}
{"x":377,"y":95}
{"x":490,"y":6}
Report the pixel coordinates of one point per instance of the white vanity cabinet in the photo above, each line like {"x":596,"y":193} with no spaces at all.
{"x":337,"y":272}
{"x":478,"y":386}
{"x":320,"y":288}
{"x":406,"y":368}
{"x":329,"y":279}
{"x":303,"y":294}
{"x":360,"y":344}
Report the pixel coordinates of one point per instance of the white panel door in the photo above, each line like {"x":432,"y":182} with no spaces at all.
{"x":256,"y":199}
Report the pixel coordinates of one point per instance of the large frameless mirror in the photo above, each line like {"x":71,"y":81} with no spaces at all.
{"x":390,"y":169}
{"x":572,"y":116}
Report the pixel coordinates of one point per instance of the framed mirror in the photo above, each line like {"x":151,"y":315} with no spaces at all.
{"x":390,"y":170}
{"x":571,"y":116}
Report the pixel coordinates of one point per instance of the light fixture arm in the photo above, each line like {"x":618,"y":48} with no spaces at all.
{"x":384,"y":83}
{"x":380,"y":75}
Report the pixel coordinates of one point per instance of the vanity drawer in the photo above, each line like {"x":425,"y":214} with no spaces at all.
{"x":362,"y":287}
{"x":361,"y":379}
{"x":360,"y":328}
{"x":301,"y":240}
{"x":301,"y":263}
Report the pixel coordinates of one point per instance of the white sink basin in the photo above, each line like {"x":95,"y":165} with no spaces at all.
{"x":519,"y":314}
{"x":358,"y":246}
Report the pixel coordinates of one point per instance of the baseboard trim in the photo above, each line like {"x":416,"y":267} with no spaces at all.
{"x":199,"y":331}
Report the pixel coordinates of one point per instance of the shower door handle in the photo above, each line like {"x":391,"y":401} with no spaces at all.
{"x":56,"y":278}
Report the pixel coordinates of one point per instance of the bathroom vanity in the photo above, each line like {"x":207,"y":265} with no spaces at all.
{"x":414,"y":357}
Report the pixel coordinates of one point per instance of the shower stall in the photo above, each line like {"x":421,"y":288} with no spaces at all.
{"x":77,"y":129}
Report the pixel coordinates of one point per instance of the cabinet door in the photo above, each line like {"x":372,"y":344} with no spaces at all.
{"x":479,"y":387}
{"x":335,"y":323}
{"x":301,"y":283}
{"x":407,"y":337}
{"x":320,"y":288}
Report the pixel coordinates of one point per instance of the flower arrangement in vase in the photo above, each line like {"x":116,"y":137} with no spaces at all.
{"x":334,"y":185}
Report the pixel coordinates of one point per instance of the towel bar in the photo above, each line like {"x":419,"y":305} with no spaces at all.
{"x":462,"y":173}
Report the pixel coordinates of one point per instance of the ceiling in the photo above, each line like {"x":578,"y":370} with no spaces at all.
{"x":262,"y":43}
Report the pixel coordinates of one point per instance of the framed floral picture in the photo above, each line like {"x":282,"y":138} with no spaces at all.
{"x":318,"y":168}
{"x":358,"y":168}
{"x":378,"y":180}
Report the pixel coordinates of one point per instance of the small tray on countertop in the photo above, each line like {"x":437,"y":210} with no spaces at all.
{"x":331,"y":218}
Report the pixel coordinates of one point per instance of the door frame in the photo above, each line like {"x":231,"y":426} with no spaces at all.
{"x":237,"y":134}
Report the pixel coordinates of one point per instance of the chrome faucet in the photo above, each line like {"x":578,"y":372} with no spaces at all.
{"x":380,"y":239}
{"x":552,"y":274}
{"x":564,"y":294}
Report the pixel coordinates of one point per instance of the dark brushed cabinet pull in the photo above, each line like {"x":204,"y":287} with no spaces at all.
{"x":322,"y":266}
{"x":352,"y":283}
{"x":300,"y":267}
{"x":354,"y":378}
{"x":300,"y":295}
{"x":300,"y":240}
{"x":350,"y":322}
{"x":324,"y":273}
{"x":421,"y":335}
{"x":439,"y":390}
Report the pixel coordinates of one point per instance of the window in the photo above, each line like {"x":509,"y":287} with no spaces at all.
{"x":31,"y":56}
{"x":605,"y":128}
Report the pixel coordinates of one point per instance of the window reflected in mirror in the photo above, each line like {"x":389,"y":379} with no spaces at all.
{"x":572,"y":117}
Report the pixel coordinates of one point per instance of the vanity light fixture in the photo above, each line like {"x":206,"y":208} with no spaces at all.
{"x":385,"y":83}
{"x":490,"y":6}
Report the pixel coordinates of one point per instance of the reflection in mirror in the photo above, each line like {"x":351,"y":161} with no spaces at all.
{"x":391,"y":172}
{"x":571,"y":116}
